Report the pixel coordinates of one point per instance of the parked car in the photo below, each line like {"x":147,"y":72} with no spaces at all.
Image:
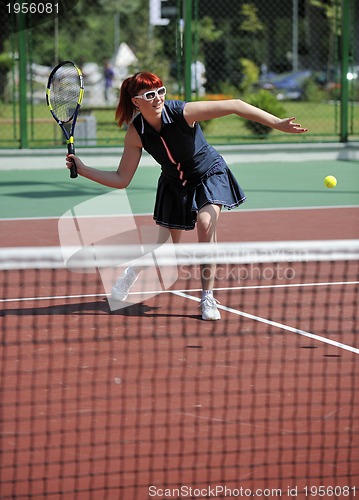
{"x":287,"y":85}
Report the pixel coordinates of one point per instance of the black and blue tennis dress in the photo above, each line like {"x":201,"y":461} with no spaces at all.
{"x":193,"y":172}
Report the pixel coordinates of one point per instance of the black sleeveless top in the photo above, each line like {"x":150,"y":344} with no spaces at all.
{"x":181,"y":150}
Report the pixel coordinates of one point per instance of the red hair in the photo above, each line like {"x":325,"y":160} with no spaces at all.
{"x":129,"y":89}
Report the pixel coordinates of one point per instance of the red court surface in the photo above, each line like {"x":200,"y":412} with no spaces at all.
{"x":139,"y":402}
{"x":266,"y":225}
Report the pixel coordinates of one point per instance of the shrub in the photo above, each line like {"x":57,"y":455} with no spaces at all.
{"x":5,"y":66}
{"x":312,"y":92}
{"x":250,"y":74}
{"x":268,"y":102}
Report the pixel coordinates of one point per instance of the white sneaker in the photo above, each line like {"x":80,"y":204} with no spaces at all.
{"x":209,"y":309}
{"x":121,"y":288}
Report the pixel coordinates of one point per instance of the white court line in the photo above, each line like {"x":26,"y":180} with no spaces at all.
{"x":286,"y":285}
{"x":185,"y":294}
{"x":53,"y":297}
{"x":229,"y":212}
{"x":191,"y":290}
{"x":275,"y":324}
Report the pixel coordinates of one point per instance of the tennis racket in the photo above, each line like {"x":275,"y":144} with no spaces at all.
{"x":64,"y":94}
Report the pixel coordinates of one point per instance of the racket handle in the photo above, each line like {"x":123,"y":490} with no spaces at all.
{"x":73,"y":169}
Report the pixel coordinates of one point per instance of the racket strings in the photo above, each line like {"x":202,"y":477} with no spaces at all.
{"x":65,"y":92}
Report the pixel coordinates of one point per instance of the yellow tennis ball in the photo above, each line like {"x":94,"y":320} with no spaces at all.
{"x":330,"y":181}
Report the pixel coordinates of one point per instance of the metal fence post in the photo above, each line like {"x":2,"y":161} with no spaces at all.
{"x":22,"y":81}
{"x":187,"y":48}
{"x":344,"y":84}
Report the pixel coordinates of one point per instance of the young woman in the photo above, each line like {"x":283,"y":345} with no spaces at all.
{"x":195,"y":181}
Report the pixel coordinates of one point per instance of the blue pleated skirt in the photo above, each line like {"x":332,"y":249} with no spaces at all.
{"x":176,"y":206}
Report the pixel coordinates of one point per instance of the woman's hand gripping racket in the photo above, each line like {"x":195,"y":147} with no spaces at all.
{"x":64,"y":94}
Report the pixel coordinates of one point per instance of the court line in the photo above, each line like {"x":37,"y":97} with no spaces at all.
{"x":185,"y":294}
{"x":54,"y":297}
{"x":191,"y":290}
{"x":275,"y":324}
{"x":229,"y":212}
{"x":186,"y":290}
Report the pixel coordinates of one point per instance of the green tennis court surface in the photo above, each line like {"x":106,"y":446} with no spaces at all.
{"x":50,"y":193}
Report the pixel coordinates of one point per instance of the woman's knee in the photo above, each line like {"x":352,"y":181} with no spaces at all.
{"x":207,"y":222}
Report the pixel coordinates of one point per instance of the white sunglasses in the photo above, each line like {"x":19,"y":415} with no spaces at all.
{"x":151,"y":94}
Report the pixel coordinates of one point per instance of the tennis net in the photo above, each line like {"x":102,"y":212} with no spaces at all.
{"x":146,"y":400}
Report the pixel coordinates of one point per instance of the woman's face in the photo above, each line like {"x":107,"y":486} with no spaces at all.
{"x":150,"y":99}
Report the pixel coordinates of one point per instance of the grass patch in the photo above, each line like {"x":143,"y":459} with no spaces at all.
{"x":321,"y":119}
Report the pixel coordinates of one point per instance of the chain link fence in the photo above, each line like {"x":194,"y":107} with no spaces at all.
{"x":283,"y":56}
{"x":291,"y":57}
